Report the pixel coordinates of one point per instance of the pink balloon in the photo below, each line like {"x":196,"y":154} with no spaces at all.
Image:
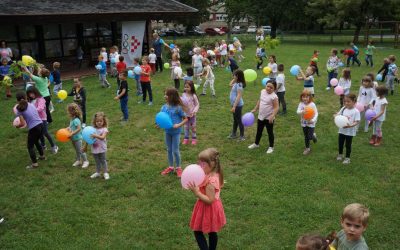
{"x":360,"y":107}
{"x":339,"y":90}
{"x":192,"y":173}
{"x":16,"y":122}
{"x":15,"y":109}
{"x":333,"y":82}
{"x":4,"y":53}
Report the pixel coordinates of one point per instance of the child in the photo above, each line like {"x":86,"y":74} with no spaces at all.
{"x":237,"y":85}
{"x":189,"y":75}
{"x":267,"y":106}
{"x":152,"y":61}
{"x":114,"y":58}
{"x":384,"y":69}
{"x":314,"y":61}
{"x":121,"y":67}
{"x":189,"y":98}
{"x":280,"y":88}
{"x":306,"y":100}
{"x":39,"y":102}
{"x":314,"y":242}
{"x":392,"y":73}
{"x":175,"y":109}
{"x":103,"y":53}
{"x":74,"y":113}
{"x":259,"y":57}
{"x":4,"y":71}
{"x":332,"y":66}
{"x":197,"y":65}
{"x":347,"y":133}
{"x":28,"y":114}
{"x":308,"y":79}
{"x":345,"y":83}
{"x":356,"y":52}
{"x":175,"y":63}
{"x":139,"y":90}
{"x":273,"y":66}
{"x":365,"y":95}
{"x":372,"y":76}
{"x":354,"y":222}
{"x":224,"y":52}
{"x":238,"y":47}
{"x":122,"y":95}
{"x":57,"y":78}
{"x":378,"y":104}
{"x":232,"y":62}
{"x":217,"y":53}
{"x":103,"y":72}
{"x":145,"y":82}
{"x":208,"y":213}
{"x":210,"y":78}
{"x":369,"y":52}
{"x":99,"y":147}
{"x":79,"y":94}
{"x":79,"y":56}
{"x":351,"y":55}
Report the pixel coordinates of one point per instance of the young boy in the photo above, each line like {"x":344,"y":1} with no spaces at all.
{"x":79,"y":94}
{"x":314,"y":61}
{"x":145,"y":81}
{"x":123,"y":95}
{"x":103,"y":72}
{"x":152,"y":61}
{"x":56,"y":78}
{"x":351,"y":55}
{"x":139,"y":91}
{"x":354,"y":222}
{"x":121,"y":67}
{"x":280,"y":88}
{"x":392,"y":73}
{"x":356,"y":53}
{"x":232,"y":62}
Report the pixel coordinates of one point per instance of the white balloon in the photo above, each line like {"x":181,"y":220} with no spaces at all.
{"x":341,"y":121}
{"x":178,"y":71}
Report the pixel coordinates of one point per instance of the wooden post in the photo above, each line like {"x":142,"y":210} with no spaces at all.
{"x":366,"y":36}
{"x":396,"y":35}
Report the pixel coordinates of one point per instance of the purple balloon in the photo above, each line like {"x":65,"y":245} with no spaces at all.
{"x":369,"y":114}
{"x":248,"y":119}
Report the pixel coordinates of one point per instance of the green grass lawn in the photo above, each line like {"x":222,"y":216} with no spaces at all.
{"x":269,"y":200}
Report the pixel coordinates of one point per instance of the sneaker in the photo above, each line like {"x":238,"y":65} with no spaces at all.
{"x":150,"y":103}
{"x":76,"y":164}
{"x":44,"y":147}
{"x":1,"y":220}
{"x":42,"y":157}
{"x":346,"y":161}
{"x":328,"y":88}
{"x":242,"y":138}
{"x":339,"y":157}
{"x":167,"y":170}
{"x":202,"y":94}
{"x":231,"y":136}
{"x":252,"y":146}
{"x":83,"y":125}
{"x":314,"y":138}
{"x":85,"y":164}
{"x":106,"y":176}
{"x":179,"y":172}
{"x":185,"y":141}
{"x":270,"y":150}
{"x":139,"y":102}
{"x":54,"y":150}
{"x":32,"y":166}
{"x":95,"y":175}
{"x":306,"y":151}
{"x":194,"y":141}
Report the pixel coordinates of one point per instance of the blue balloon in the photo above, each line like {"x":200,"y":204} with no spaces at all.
{"x":341,"y":64}
{"x":172,"y":46}
{"x":264,"y":81}
{"x":131,"y":74}
{"x":379,"y":77}
{"x":137,"y":70}
{"x":113,"y":60}
{"x":86,"y":134}
{"x":163,"y":120}
{"x":51,"y":78}
{"x":98,"y":67}
{"x":295,"y":70}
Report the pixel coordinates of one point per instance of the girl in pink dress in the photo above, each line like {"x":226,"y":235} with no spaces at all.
{"x":208,"y":213}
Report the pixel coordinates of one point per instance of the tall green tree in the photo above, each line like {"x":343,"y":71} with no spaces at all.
{"x":202,"y":14}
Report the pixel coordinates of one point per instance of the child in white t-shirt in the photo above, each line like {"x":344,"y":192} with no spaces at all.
{"x":152,"y":61}
{"x":197,"y":65}
{"x":365,"y":95}
{"x":345,"y":83}
{"x":273,"y":66}
{"x":378,"y":104}
{"x":280,"y":88}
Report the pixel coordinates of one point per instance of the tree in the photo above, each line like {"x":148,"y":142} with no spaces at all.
{"x":202,"y":14}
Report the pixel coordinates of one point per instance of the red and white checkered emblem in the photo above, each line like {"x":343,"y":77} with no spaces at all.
{"x":134,"y":44}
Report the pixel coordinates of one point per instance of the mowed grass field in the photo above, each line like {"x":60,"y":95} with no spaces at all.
{"x":269,"y":200}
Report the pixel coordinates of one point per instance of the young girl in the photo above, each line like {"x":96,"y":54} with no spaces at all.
{"x":152,"y":61}
{"x":332,"y":66}
{"x":347,"y":133}
{"x":114,"y":58}
{"x":99,"y":147}
{"x":36,"y":99}
{"x":217,"y":53}
{"x":237,"y":85}
{"x":238,"y":47}
{"x":224,"y":52}
{"x":365,"y":95}
{"x":378,"y":104}
{"x":273,"y":66}
{"x":28,"y":114}
{"x":174,"y":64}
{"x":145,"y":81}
{"x":75,"y":113}
{"x":345,"y":83}
{"x":208,"y":213}
{"x":315,"y":242}
{"x":392,"y":73}
{"x":308,"y":79}
{"x":374,"y":83}
{"x":189,"y":98}
{"x":280,"y":88}
{"x":267,"y":106}
{"x":175,"y":109}
{"x":306,"y":100}
{"x":210,"y":78}
{"x":197,"y":65}
{"x":79,"y":94}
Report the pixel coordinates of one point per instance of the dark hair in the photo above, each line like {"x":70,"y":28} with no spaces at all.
{"x":191,"y":85}
{"x":371,"y":42}
{"x":281,"y":67}
{"x":121,"y":58}
{"x":240,"y":77}
{"x":316,"y":51}
{"x":137,"y":59}
{"x":124,"y":73}
{"x":173,"y":97}
{"x":22,"y":101}
{"x":44,"y":72}
{"x":381,"y":90}
{"x":334,"y":51}
{"x":3,"y":41}
{"x":372,"y":76}
{"x":346,"y":73}
{"x":273,"y":58}
{"x":33,"y":90}
{"x":342,"y":51}
{"x":352,"y":97}
{"x":272,"y":82}
{"x":189,"y":71}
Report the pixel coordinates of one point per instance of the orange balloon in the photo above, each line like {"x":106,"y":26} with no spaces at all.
{"x":62,"y":135}
{"x":308,"y":113}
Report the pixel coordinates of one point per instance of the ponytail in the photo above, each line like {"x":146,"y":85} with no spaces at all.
{"x":22,"y":102}
{"x":219,"y":169}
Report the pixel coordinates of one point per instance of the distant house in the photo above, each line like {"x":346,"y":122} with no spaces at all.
{"x":47,"y":29}
{"x":218,"y":16}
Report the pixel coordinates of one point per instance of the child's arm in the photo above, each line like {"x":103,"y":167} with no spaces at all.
{"x":238,"y":96}
{"x":207,"y":198}
{"x":256,"y":107}
{"x":41,"y":105}
{"x":382,"y":69}
{"x":276,"y":108}
{"x":355,"y":123}
{"x":383,"y":108}
{"x":232,"y":83}
{"x":145,"y":71}
{"x":300,"y":109}
{"x":71,"y":93}
{"x":196,"y":104}
{"x":178,"y":125}
{"x":78,"y":128}
{"x":302,"y":77}
{"x":315,"y":118}
{"x":101,"y":137}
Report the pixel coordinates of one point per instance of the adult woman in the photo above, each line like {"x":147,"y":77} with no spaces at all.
{"x":5,"y":51}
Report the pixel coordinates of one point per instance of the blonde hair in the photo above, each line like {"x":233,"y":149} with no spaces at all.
{"x":74,"y":110}
{"x":56,"y":65}
{"x":356,"y":211}
{"x":103,"y":117}
{"x":206,"y":61}
{"x":211,"y":157}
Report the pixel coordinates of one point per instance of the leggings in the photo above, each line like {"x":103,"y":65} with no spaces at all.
{"x":159,"y":64}
{"x":146,"y":88}
{"x":348,"y":139}
{"x":172,"y":141}
{"x":237,"y":121}
{"x":34,"y":135}
{"x":270,"y":130}
{"x":80,"y":156}
{"x":191,"y":124}
{"x":368,"y":60}
{"x":308,"y":135}
{"x":47,"y":135}
{"x":202,"y":242}
{"x":48,"y":100}
{"x":281,"y":99}
{"x":101,"y":161}
{"x":177,"y":83}
{"x":377,"y":129}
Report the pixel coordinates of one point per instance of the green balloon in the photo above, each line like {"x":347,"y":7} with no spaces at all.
{"x":166,"y":65}
{"x":250,"y":75}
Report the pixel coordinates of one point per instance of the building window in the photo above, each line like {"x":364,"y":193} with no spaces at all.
{"x":51,"y":31}
{"x":27,"y":32}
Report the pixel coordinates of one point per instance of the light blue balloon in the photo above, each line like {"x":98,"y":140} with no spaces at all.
{"x":341,"y":64}
{"x":172,"y":46}
{"x":295,"y":70}
{"x":137,"y":70}
{"x":379,"y":77}
{"x":163,"y":120}
{"x":86,"y":134}
{"x":98,"y":67}
{"x":264,"y":81}
{"x":113,"y":60}
{"x":131,"y":74}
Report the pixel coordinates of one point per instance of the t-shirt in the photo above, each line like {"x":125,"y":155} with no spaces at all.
{"x":356,"y":50}
{"x":41,"y":85}
{"x":152,"y":58}
{"x":105,"y":57}
{"x":369,"y":50}
{"x":4,"y":70}
{"x":309,"y":83}
{"x":341,"y":243}
{"x":197,"y":61}
{"x":365,"y":95}
{"x":237,"y":87}
{"x":210,"y":72}
{"x":191,"y":102}
{"x":377,"y":106}
{"x":345,"y":84}
{"x":123,"y":85}
{"x":233,"y":64}
{"x":114,"y":55}
{"x":349,"y":52}
{"x":79,"y":96}
{"x":223,"y":49}
{"x":100,"y":146}
{"x":177,"y":115}
{"x":31,"y":116}
{"x":353,"y":115}
{"x":40,"y":105}
{"x":73,"y":125}
{"x":7,"y":52}
{"x":332,"y":64}
{"x":157,"y":45}
{"x":308,"y":123}
{"x":392,"y":69}
{"x":103,"y":70}
{"x":121,"y":66}
{"x":145,"y":69}
{"x":56,"y":77}
{"x":274,"y":70}
{"x":280,"y":81}
{"x":266,"y":108}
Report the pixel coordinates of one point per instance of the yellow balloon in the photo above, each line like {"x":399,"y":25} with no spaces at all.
{"x":267,"y":70}
{"x":28,"y":60}
{"x":62,"y":94}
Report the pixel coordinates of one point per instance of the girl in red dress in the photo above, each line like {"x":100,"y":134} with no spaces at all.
{"x":208,"y":213}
